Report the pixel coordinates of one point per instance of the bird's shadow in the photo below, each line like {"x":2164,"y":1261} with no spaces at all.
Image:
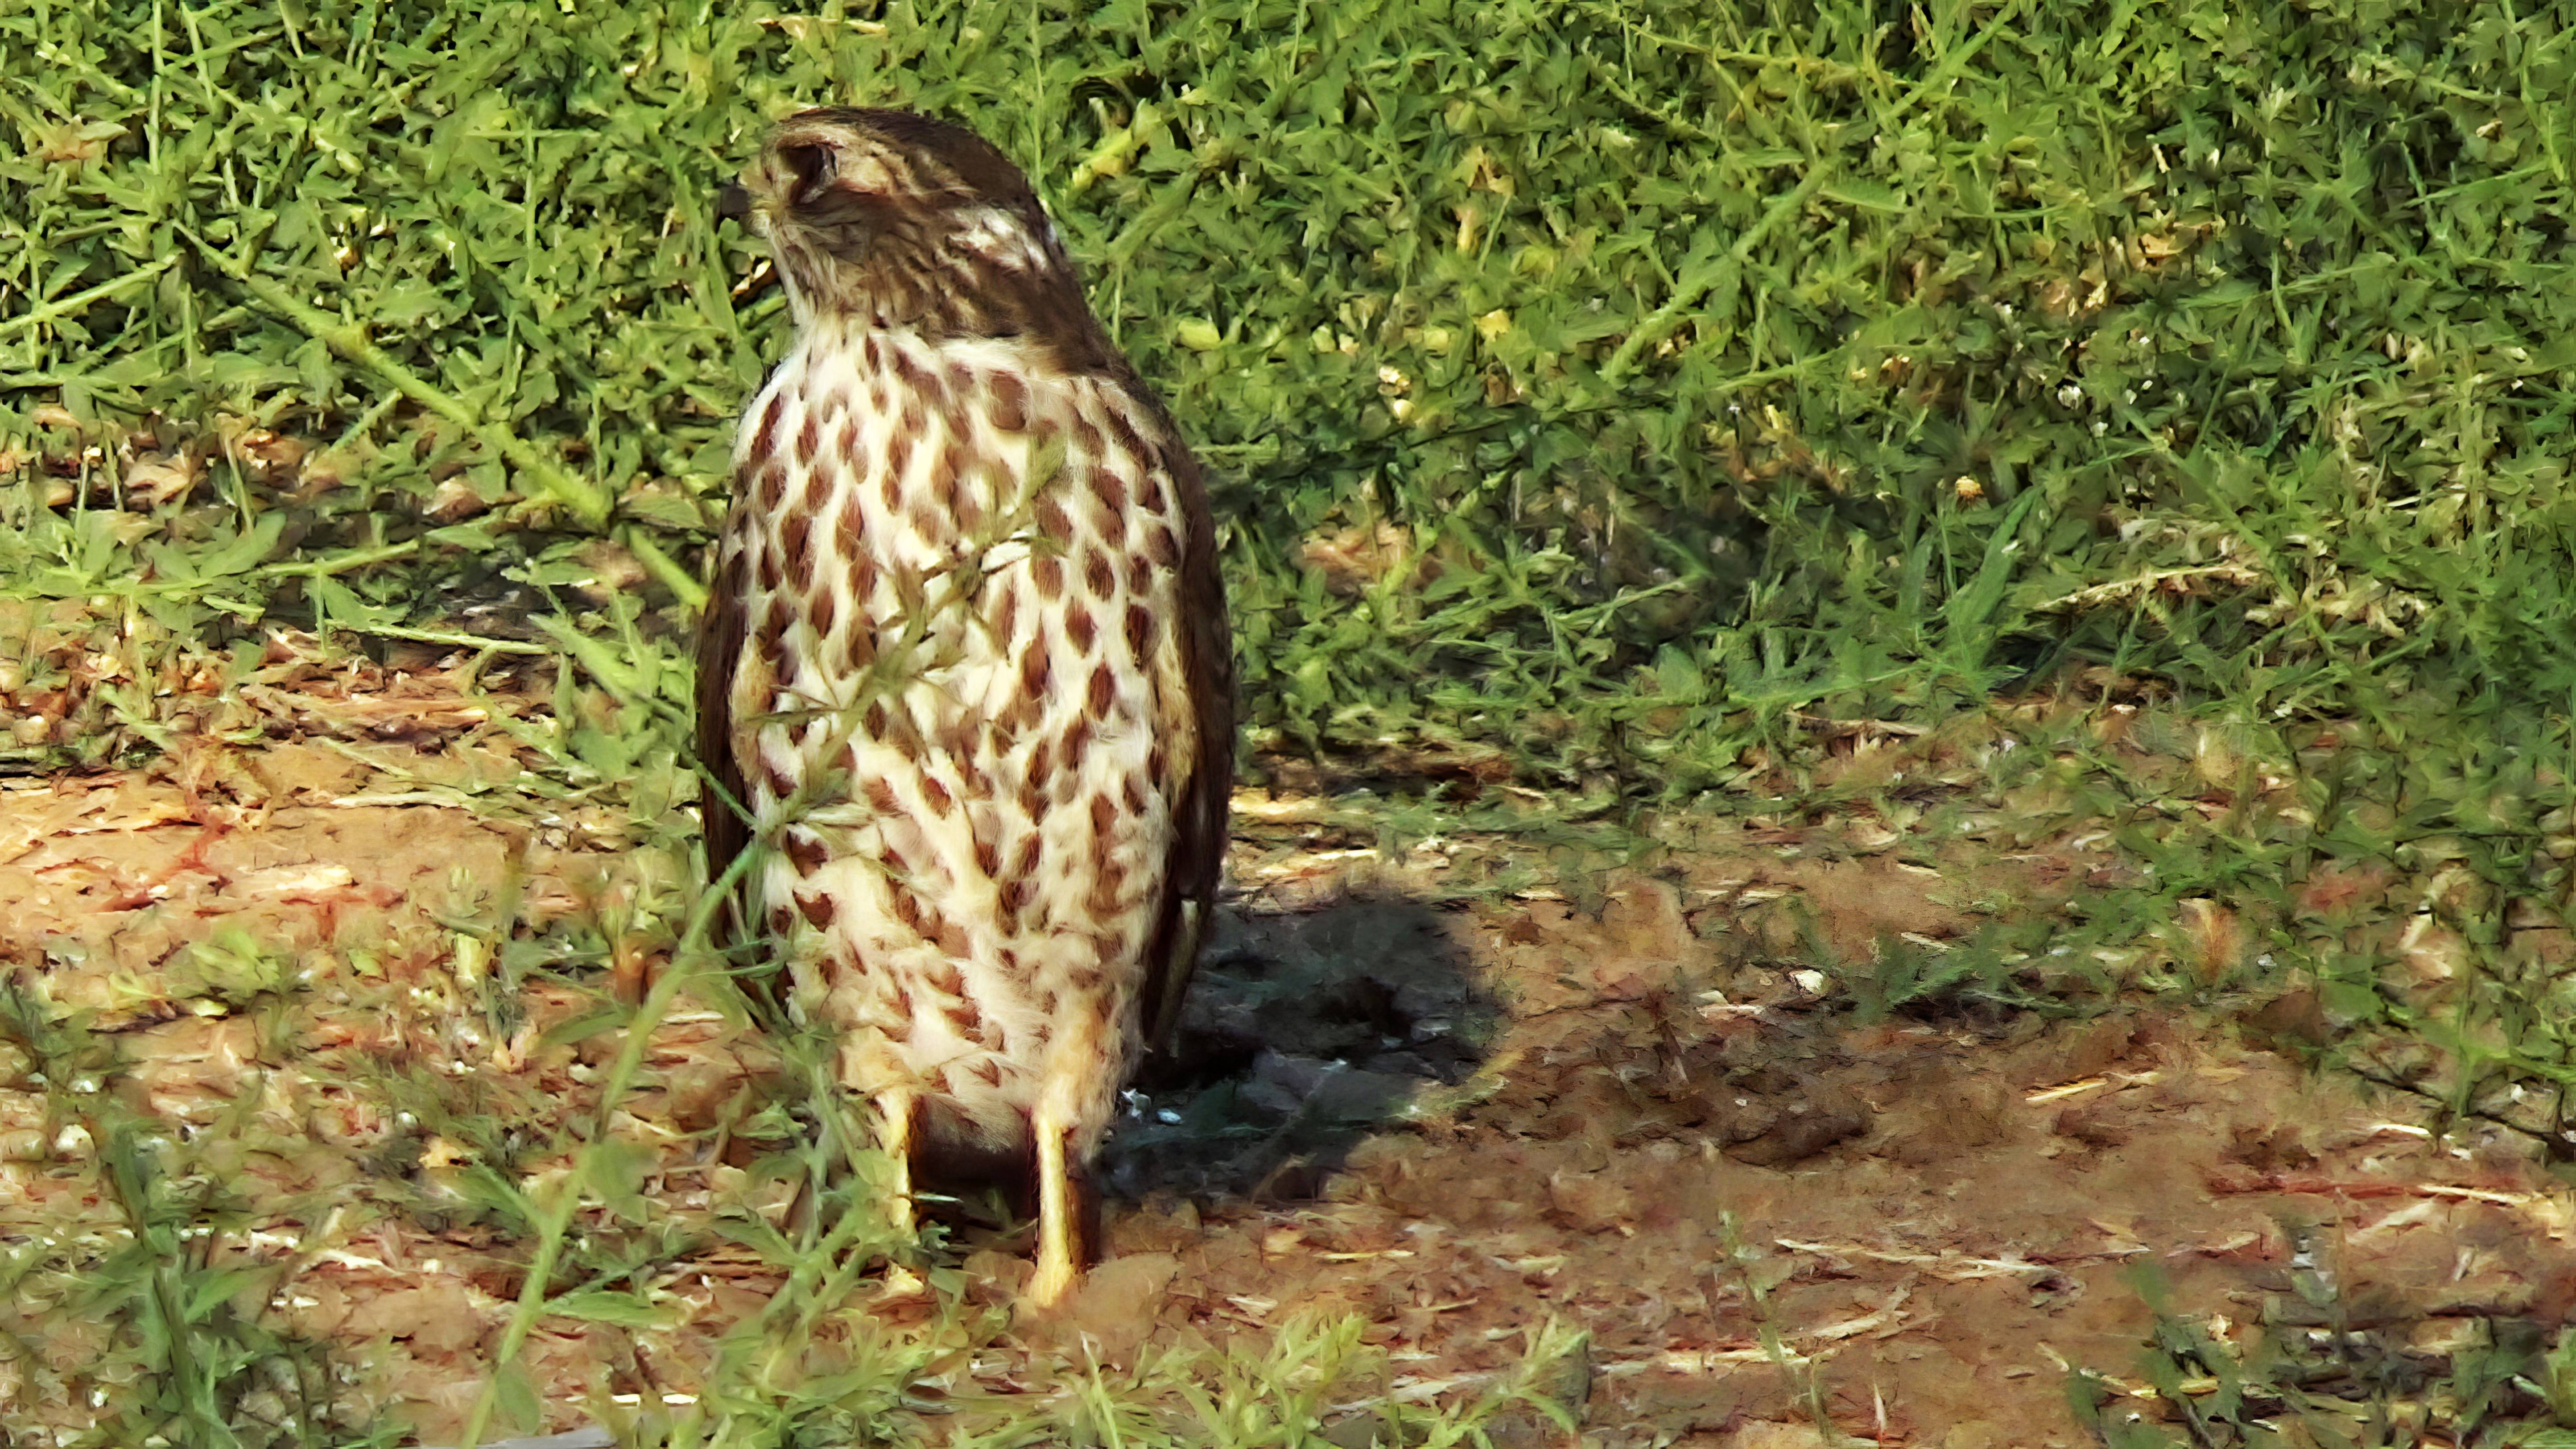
{"x":1302,"y":1034}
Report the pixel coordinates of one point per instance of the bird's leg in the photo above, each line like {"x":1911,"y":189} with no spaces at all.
{"x":1059,"y":1235}
{"x":895,"y":1135}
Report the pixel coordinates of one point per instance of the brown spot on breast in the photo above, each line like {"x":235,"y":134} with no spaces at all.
{"x":904,"y":905}
{"x":1010,"y":398}
{"x":1161,"y":547}
{"x":863,"y":578}
{"x":1036,"y":663}
{"x":1086,"y":438}
{"x":773,"y":485}
{"x":1140,"y":631}
{"x":794,"y":531}
{"x":937,"y":796}
{"x":1132,"y":791}
{"x":1104,"y":816}
{"x":1014,"y":895}
{"x":873,"y":350}
{"x":916,"y":378}
{"x":988,"y":853}
{"x":880,"y":792}
{"x":806,"y":850}
{"x":1110,"y":490}
{"x":944,"y":978}
{"x":783,"y":671}
{"x":847,"y":443}
{"x":1006,"y":609}
{"x":952,"y":937}
{"x":1033,"y":797}
{"x":780,"y":787}
{"x":770,"y":577}
{"x":1108,"y":890}
{"x":861,"y":648}
{"x":774,"y":623}
{"x":817,"y":906}
{"x":945,"y":469}
{"x":965,"y":1018}
{"x":1048,"y":570}
{"x":1149,"y":495}
{"x":1103,"y":690}
{"x":809,"y":439}
{"x":1123,"y":428}
{"x":898,"y":461}
{"x":1085,"y":979}
{"x":1111,"y":525}
{"x":990,"y":1069}
{"x":1140,"y":574}
{"x":825,"y":608}
{"x":1078,"y":628}
{"x":1077,"y":738}
{"x":851,"y":527}
{"x":1025,"y":714}
{"x":764,"y":439}
{"x":1098,"y":575}
{"x":1041,"y":760}
{"x":1052,"y":519}
{"x":781,"y":920}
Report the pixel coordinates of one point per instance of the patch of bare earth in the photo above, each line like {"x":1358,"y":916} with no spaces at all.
{"x":1633,"y":1112}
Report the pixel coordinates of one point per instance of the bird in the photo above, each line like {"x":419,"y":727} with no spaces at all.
{"x":965,"y":679}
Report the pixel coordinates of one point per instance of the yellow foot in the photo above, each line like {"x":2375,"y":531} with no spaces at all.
{"x":1053,"y":1282}
{"x":1059,"y":1249}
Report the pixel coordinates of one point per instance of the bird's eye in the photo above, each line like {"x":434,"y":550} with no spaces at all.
{"x":813,"y":168}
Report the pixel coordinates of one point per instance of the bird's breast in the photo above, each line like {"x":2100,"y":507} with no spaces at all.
{"x":962,"y":710}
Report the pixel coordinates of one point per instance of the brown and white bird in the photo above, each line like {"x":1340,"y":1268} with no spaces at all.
{"x":966,"y":665}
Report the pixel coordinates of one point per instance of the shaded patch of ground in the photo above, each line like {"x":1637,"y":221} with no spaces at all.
{"x":1640,"y":1103}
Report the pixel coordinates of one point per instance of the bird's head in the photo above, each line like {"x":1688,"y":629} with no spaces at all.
{"x":886,"y":218}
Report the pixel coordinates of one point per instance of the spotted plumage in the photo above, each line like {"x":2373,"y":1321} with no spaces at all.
{"x":965,"y":664}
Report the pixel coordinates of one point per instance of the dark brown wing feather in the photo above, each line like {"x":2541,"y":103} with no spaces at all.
{"x":1198,"y":851}
{"x":722,"y":631}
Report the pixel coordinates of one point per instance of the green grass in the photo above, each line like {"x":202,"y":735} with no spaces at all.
{"x":2307,"y":1370}
{"x":1711,"y":363}
{"x":1594,"y":393}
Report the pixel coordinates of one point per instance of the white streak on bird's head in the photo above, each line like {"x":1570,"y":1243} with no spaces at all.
{"x":890,"y":219}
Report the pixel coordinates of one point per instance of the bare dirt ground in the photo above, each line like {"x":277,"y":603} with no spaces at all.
{"x":1454,"y":1108}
